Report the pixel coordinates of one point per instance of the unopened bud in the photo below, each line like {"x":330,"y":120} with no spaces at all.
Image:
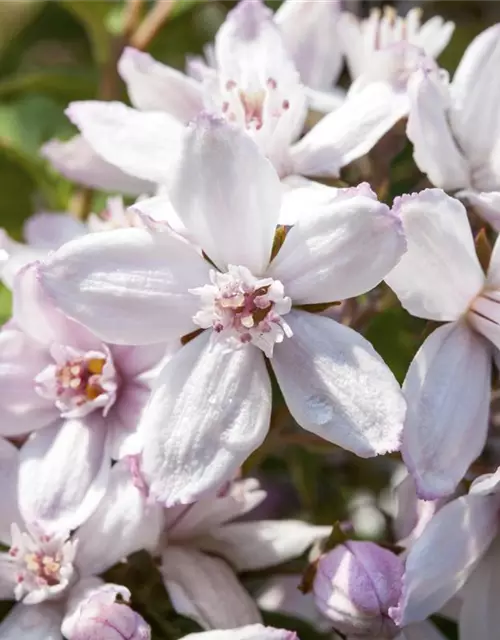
{"x":356,"y":585}
{"x":98,"y":616}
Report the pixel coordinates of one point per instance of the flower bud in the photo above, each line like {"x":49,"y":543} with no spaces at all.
{"x":99,"y":616}
{"x":355,"y":586}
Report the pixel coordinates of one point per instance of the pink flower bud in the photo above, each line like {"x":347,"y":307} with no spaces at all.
{"x":355,"y":586}
{"x":98,"y":616}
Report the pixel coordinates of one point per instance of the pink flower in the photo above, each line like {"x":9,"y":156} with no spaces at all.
{"x":82,"y":398}
{"x":251,"y":632}
{"x":211,"y":405}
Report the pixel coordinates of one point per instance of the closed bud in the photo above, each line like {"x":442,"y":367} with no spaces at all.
{"x":356,"y":585}
{"x":98,"y":616}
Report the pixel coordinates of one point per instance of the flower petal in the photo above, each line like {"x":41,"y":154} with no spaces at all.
{"x":249,"y":546}
{"x":474,"y":117}
{"x":51,"y":230}
{"x":349,"y":132}
{"x":434,"y":149}
{"x":421,"y":631}
{"x":434,"y":35}
{"x":129,"y":286}
{"x":142,"y":144}
{"x":232,"y":216}
{"x":77,"y":161}
{"x":447,"y":388}
{"x":153,"y":86}
{"x":21,"y":408}
{"x":206,"y":589}
{"x":209,"y":410}
{"x":444,"y":556}
{"x":250,"y":632}
{"x":439,"y":275}
{"x":125,"y":521}
{"x":344,"y":245}
{"x":486,"y":203}
{"x":32,"y":622}
{"x":63,"y":474}
{"x":479,"y":615}
{"x":309,"y":31}
{"x":36,"y":314}
{"x":9,"y":468}
{"x":338,"y":387}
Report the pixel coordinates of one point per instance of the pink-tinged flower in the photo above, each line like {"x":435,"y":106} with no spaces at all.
{"x":52,"y":574}
{"x":255,"y":86}
{"x":76,"y":160}
{"x":211,"y":404}
{"x":81,"y":397}
{"x":458,"y":551}
{"x":251,"y":632}
{"x":203,"y":548}
{"x":93,"y":612}
{"x":447,"y":386}
{"x":365,"y":41}
{"x":355,"y":586}
{"x":453,"y":127}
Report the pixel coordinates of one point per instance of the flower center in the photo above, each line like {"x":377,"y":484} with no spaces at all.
{"x":78,"y":382}
{"x":44,"y":564}
{"x":244,"y":309}
{"x":251,"y":107}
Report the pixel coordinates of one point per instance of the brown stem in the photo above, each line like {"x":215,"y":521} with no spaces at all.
{"x":151,"y":24}
{"x":131,"y":17}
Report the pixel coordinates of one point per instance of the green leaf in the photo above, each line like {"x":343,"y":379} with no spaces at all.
{"x":64,"y":85}
{"x":5,"y":304}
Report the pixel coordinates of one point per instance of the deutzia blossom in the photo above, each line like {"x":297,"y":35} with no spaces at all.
{"x":255,"y":86}
{"x":448,"y":383}
{"x":458,"y":551}
{"x":455,"y":129}
{"x":211,"y":404}
{"x":51,"y":573}
{"x":251,"y":632}
{"x":203,"y":548}
{"x":81,"y":397}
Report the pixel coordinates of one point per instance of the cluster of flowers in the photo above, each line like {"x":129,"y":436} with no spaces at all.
{"x":135,"y":373}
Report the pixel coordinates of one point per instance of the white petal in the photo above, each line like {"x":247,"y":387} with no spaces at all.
{"x":338,"y":387}
{"x":8,"y":572}
{"x":78,"y":162}
{"x":153,"y":86}
{"x":480,"y":615}
{"x":51,"y":230}
{"x":140,"y":143}
{"x":309,"y":31}
{"x":9,"y":510}
{"x":447,"y":388}
{"x":434,"y":35}
{"x":281,"y":594}
{"x":325,"y":101}
{"x":474,"y":116}
{"x":250,"y":632}
{"x":439,"y":275}
{"x":257,"y":545}
{"x":444,"y":556}
{"x":350,"y":131}
{"x":342,"y":246}
{"x":227,"y":194}
{"x":63,"y":474}
{"x":22,"y":409}
{"x":129,"y":286}
{"x":206,"y":589}
{"x":209,"y":410}
{"x":14,"y":256}
{"x":32,"y":622}
{"x":434,"y":149}
{"x":486,"y":203}
{"x":124,"y":521}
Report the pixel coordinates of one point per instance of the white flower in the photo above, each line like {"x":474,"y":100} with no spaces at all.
{"x":448,"y":383}
{"x":455,"y":129}
{"x":211,"y":405}
{"x":255,"y":86}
